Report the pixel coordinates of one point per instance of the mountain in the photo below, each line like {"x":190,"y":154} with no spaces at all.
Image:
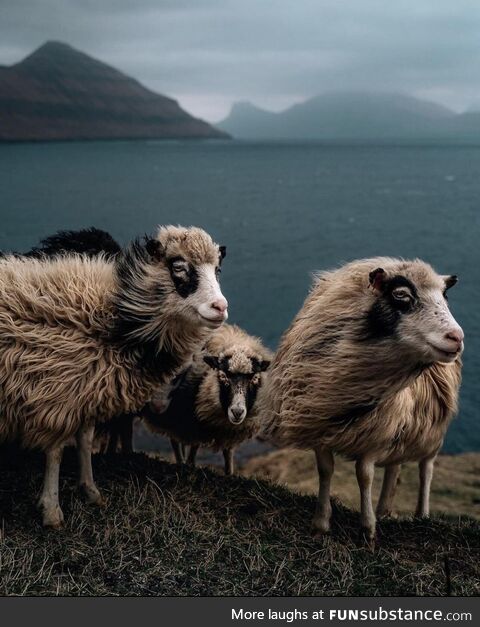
{"x":355,"y":116}
{"x":59,"y":93}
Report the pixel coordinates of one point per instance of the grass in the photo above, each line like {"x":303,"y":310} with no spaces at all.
{"x":170,"y":530}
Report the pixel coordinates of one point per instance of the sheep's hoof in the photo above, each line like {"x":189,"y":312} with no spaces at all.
{"x":367,"y":538}
{"x":422,"y":515}
{"x":92,"y":495}
{"x":320,"y":530}
{"x":387,"y":514}
{"x":52,"y":518}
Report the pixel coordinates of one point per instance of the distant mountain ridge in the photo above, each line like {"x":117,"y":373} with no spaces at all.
{"x":59,"y":93}
{"x":355,"y":116}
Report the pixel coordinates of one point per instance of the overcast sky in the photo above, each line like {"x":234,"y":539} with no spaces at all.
{"x":210,"y":53}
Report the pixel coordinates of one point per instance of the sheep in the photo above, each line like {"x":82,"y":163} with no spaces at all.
{"x":425,"y":410}
{"x":92,"y":242}
{"x":83,"y":339}
{"x":364,"y":334}
{"x":213,"y":403}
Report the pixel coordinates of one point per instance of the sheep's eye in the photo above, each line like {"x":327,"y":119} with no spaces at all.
{"x":179,"y":266}
{"x":402,"y":294}
{"x":223,"y":378}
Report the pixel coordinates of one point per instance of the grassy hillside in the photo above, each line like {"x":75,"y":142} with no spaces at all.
{"x":171,"y":530}
{"x":455,"y":486}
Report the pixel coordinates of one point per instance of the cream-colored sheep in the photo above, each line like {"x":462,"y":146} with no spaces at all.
{"x":364,"y":334}
{"x":84,"y":340}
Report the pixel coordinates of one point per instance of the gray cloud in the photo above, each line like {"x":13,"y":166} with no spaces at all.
{"x":209,"y":53}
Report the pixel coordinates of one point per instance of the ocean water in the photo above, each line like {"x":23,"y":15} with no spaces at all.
{"x":284,"y":210}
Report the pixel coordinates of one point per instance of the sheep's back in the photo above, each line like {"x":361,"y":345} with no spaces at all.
{"x":71,"y":292}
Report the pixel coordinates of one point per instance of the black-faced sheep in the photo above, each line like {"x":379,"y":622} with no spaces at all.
{"x":364,"y":334}
{"x":83,"y":340}
{"x":214,"y":402}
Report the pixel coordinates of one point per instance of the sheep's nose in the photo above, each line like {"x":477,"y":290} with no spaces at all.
{"x":456,"y":336}
{"x":220,"y":305}
{"x":238,"y":412}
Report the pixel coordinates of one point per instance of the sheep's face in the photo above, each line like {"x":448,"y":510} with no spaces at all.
{"x":239,"y":378}
{"x":191,"y":262}
{"x":411,"y":307}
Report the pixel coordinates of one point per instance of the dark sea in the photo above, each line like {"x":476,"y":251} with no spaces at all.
{"x":284,"y":210}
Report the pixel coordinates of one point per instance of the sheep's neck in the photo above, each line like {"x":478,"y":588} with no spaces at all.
{"x":359,"y":382}
{"x":162,"y":355}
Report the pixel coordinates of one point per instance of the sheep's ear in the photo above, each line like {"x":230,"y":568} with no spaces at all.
{"x":154,"y":248}
{"x":450,"y":281}
{"x":260,"y":365}
{"x":212,"y":361}
{"x":377,"y":279}
{"x":223,"y":252}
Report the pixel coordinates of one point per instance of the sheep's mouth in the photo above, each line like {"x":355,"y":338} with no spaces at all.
{"x":447,"y":355}
{"x":212,"y":323}
{"x":234,"y":420}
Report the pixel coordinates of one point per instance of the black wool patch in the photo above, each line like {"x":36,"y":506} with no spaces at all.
{"x":129,"y":321}
{"x":383,"y":317}
{"x":186,"y":283}
{"x":90,"y":242}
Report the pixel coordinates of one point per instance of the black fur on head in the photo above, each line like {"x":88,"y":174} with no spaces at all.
{"x":223,"y":252}
{"x":185,"y":279}
{"x":235,"y":384}
{"x":154,"y":248}
{"x":232,"y":386}
{"x":393,"y":301}
{"x":132,"y":325}
{"x":260,"y":365}
{"x":213,"y":361}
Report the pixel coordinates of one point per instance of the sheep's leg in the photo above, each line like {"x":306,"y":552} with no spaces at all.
{"x":178,"y":451}
{"x":48,"y":502}
{"x":389,"y":486}
{"x":426,"y":473}
{"x":365,"y":469}
{"x":103,"y":442}
{"x":112,"y":438}
{"x":86,"y":483}
{"x":126,"y":434}
{"x":192,"y":456}
{"x":323,"y":511}
{"x":228,"y":457}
